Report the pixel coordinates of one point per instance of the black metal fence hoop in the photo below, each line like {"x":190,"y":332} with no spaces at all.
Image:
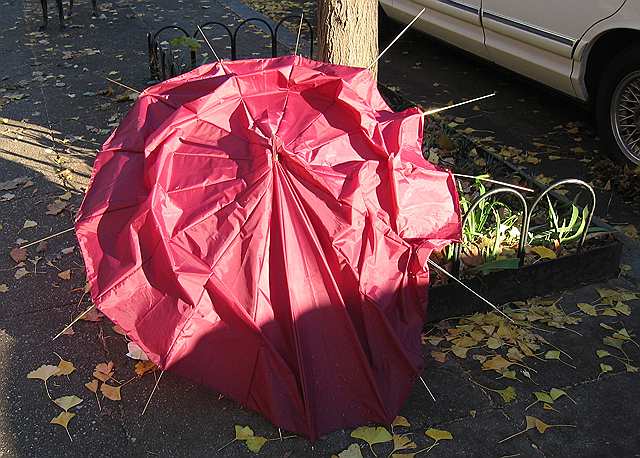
{"x":159,"y":69}
{"x":305,"y":21}
{"x":523,"y":226}
{"x":208,"y":24}
{"x":234,"y":47}
{"x":557,"y":184}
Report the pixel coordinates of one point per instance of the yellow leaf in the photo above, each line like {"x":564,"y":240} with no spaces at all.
{"x":28,"y":223}
{"x":255,"y":443}
{"x":43,"y":372}
{"x":243,"y":432}
{"x":372,"y":434}
{"x":459,"y":351}
{"x":63,"y":419}
{"x":401,"y":421}
{"x":65,"y":275}
{"x":92,"y":385}
{"x":353,"y":451}
{"x":588,"y":309}
{"x":497,"y":363}
{"x":402,"y":442}
{"x":508,"y":394}
{"x":4,"y":288}
{"x":623,"y":308}
{"x":65,"y":367}
{"x":494,"y":343}
{"x":67,"y":402}
{"x":438,"y":434}
{"x":111,"y":392}
{"x":544,"y":252}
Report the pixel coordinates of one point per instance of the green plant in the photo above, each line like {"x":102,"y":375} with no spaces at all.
{"x":559,"y":232}
{"x":490,"y":230}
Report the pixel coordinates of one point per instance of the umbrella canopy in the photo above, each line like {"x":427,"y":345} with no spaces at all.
{"x":262,"y":227}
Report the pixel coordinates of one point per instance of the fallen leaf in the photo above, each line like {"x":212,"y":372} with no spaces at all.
{"x":611,"y":342}
{"x":353,"y":451}
{"x":497,"y":363}
{"x":65,"y":367}
{"x":544,"y":252}
{"x":21,"y":272}
{"x":459,"y":351}
{"x":401,"y":421}
{"x":630,"y":368}
{"x":543,"y":397}
{"x":552,"y":354}
{"x":372,"y":434}
{"x":602,"y":353}
{"x":439,"y":356}
{"x":494,"y":343}
{"x":103,"y":371}
{"x":93,"y":315}
{"x":438,"y":434}
{"x":623,"y":308}
{"x":18,"y":255}
{"x":63,"y":420}
{"x":3,"y":288}
{"x":604,"y":368}
{"x":588,"y":309}
{"x":111,"y":392}
{"x":135,"y":352}
{"x":65,"y":275}
{"x":255,"y":443}
{"x":243,"y":432}
{"x":28,"y":224}
{"x":508,"y":394}
{"x":92,"y":386}
{"x":402,"y":442}
{"x":56,"y":207}
{"x":43,"y":372}
{"x":142,"y":367}
{"x":67,"y":402}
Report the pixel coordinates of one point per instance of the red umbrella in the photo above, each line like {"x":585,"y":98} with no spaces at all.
{"x":262,"y":227}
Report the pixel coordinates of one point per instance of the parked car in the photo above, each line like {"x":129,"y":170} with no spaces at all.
{"x":588,"y":49}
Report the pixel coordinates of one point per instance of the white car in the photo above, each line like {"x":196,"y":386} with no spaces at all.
{"x":588,"y":49}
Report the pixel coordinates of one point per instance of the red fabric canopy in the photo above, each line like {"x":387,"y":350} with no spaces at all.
{"x":262,"y":227}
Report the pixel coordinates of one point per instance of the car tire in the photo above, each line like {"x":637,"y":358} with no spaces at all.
{"x":618,"y":106}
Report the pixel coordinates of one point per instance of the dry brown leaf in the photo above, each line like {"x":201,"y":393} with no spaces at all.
{"x":104,"y":371}
{"x":65,"y":275}
{"x":92,"y":385}
{"x":65,"y":367}
{"x":18,"y":255}
{"x":142,"y":367}
{"x":497,"y":363}
{"x":110,"y":392}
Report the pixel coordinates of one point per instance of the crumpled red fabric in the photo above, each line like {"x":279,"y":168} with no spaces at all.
{"x":262,"y":227}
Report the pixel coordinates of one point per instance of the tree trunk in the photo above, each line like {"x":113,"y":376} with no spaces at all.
{"x":348,"y":32}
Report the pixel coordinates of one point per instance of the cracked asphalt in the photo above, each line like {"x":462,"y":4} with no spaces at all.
{"x":55,"y":82}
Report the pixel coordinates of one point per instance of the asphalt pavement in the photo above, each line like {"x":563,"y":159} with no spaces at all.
{"x":56,"y":108}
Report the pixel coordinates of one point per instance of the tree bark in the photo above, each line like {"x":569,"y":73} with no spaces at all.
{"x":348,"y":32}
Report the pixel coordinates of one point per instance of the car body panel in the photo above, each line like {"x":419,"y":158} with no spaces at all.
{"x":626,"y":18}
{"x":537,"y":39}
{"x":547,"y":40}
{"x":454,"y":21}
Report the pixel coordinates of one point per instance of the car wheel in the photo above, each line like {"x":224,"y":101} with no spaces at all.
{"x":618,"y":106}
